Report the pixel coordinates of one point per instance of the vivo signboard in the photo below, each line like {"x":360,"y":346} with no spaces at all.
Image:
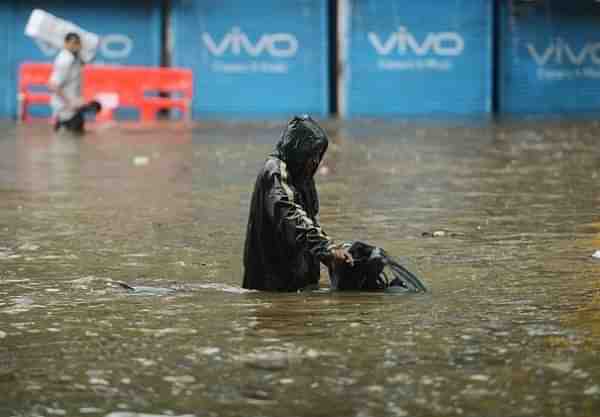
{"x":261,"y":58}
{"x":549,"y":58}
{"x":404,"y":58}
{"x":130,"y":33}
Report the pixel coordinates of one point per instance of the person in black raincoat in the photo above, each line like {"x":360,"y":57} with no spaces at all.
{"x":284,"y":240}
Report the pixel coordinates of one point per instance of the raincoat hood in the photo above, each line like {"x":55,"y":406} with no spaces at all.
{"x":302,"y":140}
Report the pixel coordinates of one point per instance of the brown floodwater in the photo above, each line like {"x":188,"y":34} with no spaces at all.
{"x":511,"y":326}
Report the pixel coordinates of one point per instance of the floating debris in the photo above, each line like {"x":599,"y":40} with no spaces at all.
{"x":210,"y":351}
{"x":270,"y":361}
{"x":184,"y":379}
{"x":98,"y":381}
{"x":145,"y":362}
{"x":56,"y":411}
{"x":441,"y":233}
{"x":140,"y":161}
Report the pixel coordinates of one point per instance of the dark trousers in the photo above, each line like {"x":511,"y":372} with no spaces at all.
{"x":76,"y":123}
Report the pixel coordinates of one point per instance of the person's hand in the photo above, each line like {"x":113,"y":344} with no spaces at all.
{"x":342,"y":256}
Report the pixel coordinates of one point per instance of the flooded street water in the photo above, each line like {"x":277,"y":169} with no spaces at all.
{"x":511,"y":326}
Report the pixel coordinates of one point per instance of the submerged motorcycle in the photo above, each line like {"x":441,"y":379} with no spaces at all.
{"x":373,"y":270}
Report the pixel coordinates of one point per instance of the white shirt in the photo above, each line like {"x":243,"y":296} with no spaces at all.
{"x":66,"y":75}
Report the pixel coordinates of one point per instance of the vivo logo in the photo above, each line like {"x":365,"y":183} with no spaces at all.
{"x":560,"y":52}
{"x":404,"y":42}
{"x":112,"y":46}
{"x":279,"y":45}
{"x":116,"y":46}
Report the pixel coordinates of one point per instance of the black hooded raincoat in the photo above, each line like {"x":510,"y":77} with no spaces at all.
{"x":284,"y":241}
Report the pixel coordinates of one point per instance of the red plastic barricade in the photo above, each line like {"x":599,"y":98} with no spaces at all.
{"x":32,"y":76}
{"x":149,"y":90}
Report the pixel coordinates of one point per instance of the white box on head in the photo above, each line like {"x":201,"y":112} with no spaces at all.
{"x":52,"y":30}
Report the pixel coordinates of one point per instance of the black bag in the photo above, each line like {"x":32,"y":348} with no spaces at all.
{"x":370,"y":271}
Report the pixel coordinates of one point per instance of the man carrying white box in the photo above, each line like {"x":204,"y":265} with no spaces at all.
{"x":65,"y":84}
{"x":76,"y":47}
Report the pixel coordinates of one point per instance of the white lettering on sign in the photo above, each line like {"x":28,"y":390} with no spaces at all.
{"x":404,"y":42}
{"x":278,"y":45}
{"x":560,"y":52}
{"x":249,"y":67}
{"x":116,"y":46}
{"x":113,"y":46}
